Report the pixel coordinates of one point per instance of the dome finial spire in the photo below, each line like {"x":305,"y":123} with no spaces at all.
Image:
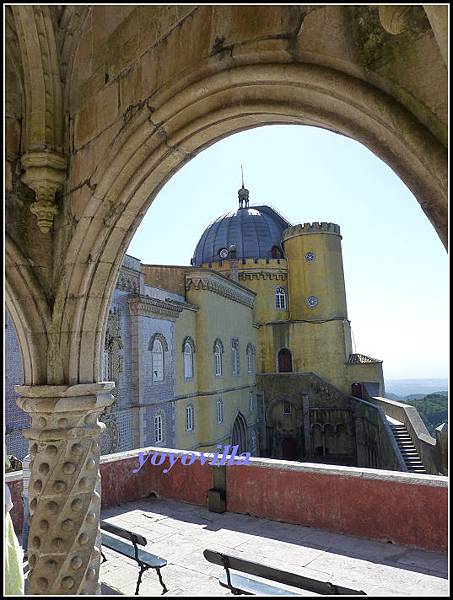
{"x":243,"y":193}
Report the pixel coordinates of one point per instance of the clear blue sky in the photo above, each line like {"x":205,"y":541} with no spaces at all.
{"x":396,"y":268}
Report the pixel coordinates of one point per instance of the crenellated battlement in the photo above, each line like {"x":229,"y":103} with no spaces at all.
{"x":247,"y":263}
{"x":315,"y":227}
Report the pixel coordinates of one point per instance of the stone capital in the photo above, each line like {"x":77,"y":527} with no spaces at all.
{"x":65,"y":391}
{"x":45,"y":173}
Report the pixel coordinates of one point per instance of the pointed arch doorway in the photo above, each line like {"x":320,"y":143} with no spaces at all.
{"x":239,"y":436}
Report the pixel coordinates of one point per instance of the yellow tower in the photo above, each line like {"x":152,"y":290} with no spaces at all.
{"x":320,"y":330}
{"x":315,"y":272}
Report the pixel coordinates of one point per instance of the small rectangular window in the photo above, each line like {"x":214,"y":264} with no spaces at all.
{"x":189,"y":418}
{"x":286,"y":408}
{"x":220,"y":411}
{"x":158,"y":429}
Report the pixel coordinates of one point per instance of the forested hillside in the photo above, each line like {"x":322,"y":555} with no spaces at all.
{"x":433,"y":409}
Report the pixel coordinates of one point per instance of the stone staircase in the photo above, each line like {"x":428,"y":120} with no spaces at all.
{"x":407,"y":448}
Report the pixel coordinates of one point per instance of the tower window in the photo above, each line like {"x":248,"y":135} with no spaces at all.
{"x":276,"y":252}
{"x":280,"y":298}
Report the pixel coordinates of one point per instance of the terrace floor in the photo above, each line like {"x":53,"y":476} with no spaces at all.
{"x":180,"y":532}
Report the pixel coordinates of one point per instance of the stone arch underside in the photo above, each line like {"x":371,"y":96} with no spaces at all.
{"x":155,"y":142}
{"x":29,"y":312}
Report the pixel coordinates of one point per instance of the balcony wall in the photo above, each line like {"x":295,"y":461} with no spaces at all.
{"x":422,"y":439}
{"x":403,"y":508}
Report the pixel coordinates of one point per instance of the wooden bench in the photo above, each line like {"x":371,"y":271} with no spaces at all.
{"x":251,"y":587}
{"x":144,"y":560}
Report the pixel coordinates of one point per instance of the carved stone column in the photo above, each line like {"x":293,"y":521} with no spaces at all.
{"x":65,"y":493}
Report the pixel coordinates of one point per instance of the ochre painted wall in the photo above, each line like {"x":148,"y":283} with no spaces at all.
{"x":262,"y":276}
{"x":223,"y":318}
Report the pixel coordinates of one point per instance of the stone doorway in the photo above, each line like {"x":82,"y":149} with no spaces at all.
{"x":239,"y":437}
{"x":290,"y":448}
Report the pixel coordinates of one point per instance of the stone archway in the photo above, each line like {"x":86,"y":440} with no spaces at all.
{"x":151,"y":147}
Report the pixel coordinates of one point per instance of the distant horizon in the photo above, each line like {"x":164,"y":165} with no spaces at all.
{"x":414,"y":387}
{"x":419,"y":379}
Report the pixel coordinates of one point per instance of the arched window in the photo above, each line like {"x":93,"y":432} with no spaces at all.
{"x":285,"y":362}
{"x":158,"y":428}
{"x":276,"y":252}
{"x":235,"y":356}
{"x":218,"y":352}
{"x":158,"y":360}
{"x":190,"y":425}
{"x":188,"y":358}
{"x":250,"y":358}
{"x":106,"y":366}
{"x":219,"y":411}
{"x":280,"y":298}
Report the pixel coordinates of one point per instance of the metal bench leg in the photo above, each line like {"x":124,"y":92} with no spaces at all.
{"x":143,"y":568}
{"x":164,"y":587}
{"x":226,"y":565}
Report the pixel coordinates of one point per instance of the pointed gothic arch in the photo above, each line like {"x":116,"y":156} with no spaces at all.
{"x":239,"y":433}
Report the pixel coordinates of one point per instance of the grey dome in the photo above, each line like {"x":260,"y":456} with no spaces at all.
{"x":254,"y":230}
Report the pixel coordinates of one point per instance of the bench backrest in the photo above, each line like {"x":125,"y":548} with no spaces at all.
{"x":293,"y":579}
{"x":133,"y":537}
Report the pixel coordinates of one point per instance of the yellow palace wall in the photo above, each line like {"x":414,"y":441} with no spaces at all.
{"x":217,"y":317}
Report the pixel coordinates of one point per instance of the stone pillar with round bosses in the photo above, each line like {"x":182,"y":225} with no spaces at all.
{"x":64,"y":494}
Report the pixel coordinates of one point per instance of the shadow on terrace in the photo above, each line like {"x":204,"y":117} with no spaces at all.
{"x":383,"y":532}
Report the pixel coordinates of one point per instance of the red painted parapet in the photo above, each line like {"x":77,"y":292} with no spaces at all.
{"x":182,"y":482}
{"x":403,"y":508}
